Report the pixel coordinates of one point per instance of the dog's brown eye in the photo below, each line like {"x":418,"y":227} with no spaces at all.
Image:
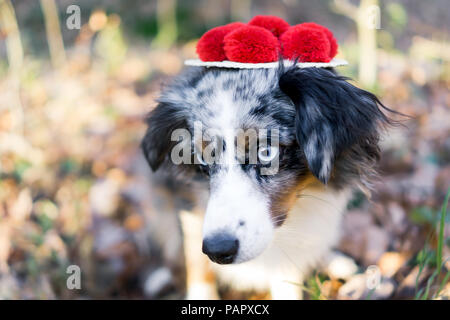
{"x":267,"y":154}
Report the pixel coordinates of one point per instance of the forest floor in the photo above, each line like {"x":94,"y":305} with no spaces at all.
{"x":72,"y":189}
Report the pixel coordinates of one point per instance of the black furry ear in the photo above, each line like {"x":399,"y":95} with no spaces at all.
{"x":331,"y":115}
{"x":162,"y":121}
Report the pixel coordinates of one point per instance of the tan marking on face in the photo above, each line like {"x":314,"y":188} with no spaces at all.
{"x":283,"y":202}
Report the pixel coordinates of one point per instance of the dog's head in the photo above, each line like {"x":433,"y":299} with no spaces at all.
{"x":261,"y":136}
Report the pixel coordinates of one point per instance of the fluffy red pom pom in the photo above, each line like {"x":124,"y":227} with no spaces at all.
{"x":252,"y":45}
{"x":274,"y":24}
{"x":306,"y":44}
{"x":328,"y":33}
{"x":210,"y":45}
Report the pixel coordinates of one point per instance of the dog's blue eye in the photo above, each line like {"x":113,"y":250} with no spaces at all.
{"x":200,"y":159}
{"x":267,"y":154}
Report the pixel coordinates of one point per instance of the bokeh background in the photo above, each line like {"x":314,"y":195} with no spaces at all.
{"x":73,"y":185}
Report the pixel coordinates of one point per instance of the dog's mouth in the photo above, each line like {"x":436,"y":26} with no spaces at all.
{"x":222,"y":259}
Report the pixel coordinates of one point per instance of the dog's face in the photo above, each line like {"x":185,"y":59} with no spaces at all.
{"x":260,"y":137}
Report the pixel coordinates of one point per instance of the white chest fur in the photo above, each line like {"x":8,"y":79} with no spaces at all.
{"x":307,"y":235}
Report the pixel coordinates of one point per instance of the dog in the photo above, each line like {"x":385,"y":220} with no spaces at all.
{"x":264,"y":231}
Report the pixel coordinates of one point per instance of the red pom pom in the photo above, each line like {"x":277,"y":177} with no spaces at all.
{"x":328,"y":33}
{"x":210,"y":45}
{"x":274,"y":24}
{"x":306,"y":44}
{"x":251,"y":44}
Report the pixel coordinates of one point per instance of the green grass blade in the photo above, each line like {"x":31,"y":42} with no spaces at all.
{"x":443,"y":282}
{"x":429,"y":284}
{"x":441,"y":232}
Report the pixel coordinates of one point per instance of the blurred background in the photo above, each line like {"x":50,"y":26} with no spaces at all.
{"x":73,"y":187}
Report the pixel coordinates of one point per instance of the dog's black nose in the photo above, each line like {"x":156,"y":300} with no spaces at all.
{"x":221,"y":248}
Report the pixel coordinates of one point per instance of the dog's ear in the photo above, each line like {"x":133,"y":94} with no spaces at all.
{"x":162,"y":121}
{"x":331,"y":115}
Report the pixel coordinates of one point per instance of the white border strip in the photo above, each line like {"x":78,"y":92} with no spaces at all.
{"x":239,"y":65}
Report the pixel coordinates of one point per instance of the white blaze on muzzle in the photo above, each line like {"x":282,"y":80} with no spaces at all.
{"x":237,"y":211}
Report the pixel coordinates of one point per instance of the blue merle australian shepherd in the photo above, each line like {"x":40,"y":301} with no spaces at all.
{"x":278,"y":152}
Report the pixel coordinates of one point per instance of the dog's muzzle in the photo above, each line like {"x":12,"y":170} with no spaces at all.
{"x":221,"y":248}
